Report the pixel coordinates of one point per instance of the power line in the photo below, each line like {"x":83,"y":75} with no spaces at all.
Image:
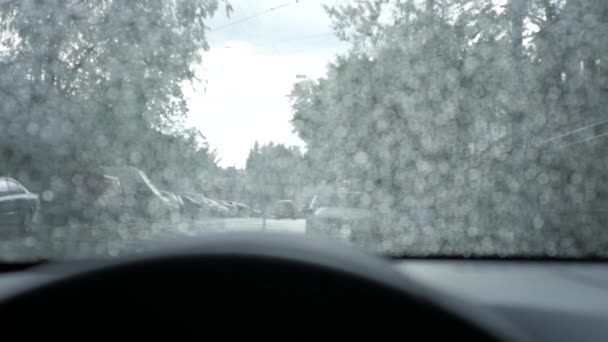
{"x":253,"y":16}
{"x":586,"y":140}
{"x":575,"y":131}
{"x":307,"y":37}
{"x":292,"y":40}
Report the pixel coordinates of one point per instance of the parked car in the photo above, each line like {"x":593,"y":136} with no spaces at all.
{"x":241,"y":209}
{"x":256,"y":212}
{"x":232,"y":208}
{"x":310,"y":208}
{"x":82,"y":195}
{"x":140,"y":197}
{"x":192,"y":204}
{"x":176,"y":200}
{"x":197,"y":205}
{"x":345,"y":215}
{"x":17,"y":205}
{"x":284,"y":209}
{"x":218,"y":208}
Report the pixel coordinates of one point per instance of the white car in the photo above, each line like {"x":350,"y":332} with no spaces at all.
{"x":197,"y":205}
{"x":139,"y":195}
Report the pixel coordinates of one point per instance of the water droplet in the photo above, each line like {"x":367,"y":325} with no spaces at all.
{"x":538,"y":222}
{"x":32,"y":128}
{"x":48,"y":195}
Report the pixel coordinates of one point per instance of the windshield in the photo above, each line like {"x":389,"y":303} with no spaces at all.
{"x":454,"y":128}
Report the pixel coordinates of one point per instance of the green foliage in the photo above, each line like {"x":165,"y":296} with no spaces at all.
{"x":275,"y":172}
{"x":448,"y":105}
{"x":85,"y":80}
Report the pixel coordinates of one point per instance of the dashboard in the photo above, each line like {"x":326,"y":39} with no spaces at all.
{"x":550,"y":301}
{"x":283,"y":286}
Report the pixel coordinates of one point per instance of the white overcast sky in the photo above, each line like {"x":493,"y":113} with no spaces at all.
{"x":250,"y":69}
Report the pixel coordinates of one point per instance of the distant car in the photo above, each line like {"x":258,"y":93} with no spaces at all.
{"x":284,"y":209}
{"x":193,"y":207}
{"x":197,"y":205}
{"x":342,"y":215}
{"x":256,"y":212}
{"x":140,"y":197}
{"x":176,"y":200}
{"x":218,"y":208}
{"x":17,"y":205}
{"x":233,"y":208}
{"x":242,"y":210}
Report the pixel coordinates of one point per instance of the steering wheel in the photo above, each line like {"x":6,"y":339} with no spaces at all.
{"x":242,"y":285}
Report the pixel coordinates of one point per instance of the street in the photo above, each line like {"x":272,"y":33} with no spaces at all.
{"x":238,"y":224}
{"x":98,"y":240}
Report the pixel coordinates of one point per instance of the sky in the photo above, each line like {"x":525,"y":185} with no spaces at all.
{"x":251,"y":68}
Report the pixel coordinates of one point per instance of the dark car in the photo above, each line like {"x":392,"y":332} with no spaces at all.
{"x":284,"y":209}
{"x":17,"y":204}
{"x":344,"y":215}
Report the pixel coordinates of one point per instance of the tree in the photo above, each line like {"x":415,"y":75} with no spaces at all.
{"x":86,"y":79}
{"x":275,"y":172}
{"x":379,"y":95}
{"x":176,"y":162}
{"x":448,"y":105}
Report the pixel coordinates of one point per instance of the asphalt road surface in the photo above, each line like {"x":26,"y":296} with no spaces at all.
{"x":112,"y":239}
{"x":292,"y":226}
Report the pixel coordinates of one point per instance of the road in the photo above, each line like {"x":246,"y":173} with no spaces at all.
{"x":292,"y":226}
{"x":103,"y":240}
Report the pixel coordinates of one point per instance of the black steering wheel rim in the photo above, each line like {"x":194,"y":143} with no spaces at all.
{"x":261,"y":276}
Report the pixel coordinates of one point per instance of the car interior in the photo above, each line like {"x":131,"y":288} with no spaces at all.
{"x":249,"y":285}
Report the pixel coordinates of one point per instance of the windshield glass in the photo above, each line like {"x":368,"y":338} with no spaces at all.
{"x":423,"y":127}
